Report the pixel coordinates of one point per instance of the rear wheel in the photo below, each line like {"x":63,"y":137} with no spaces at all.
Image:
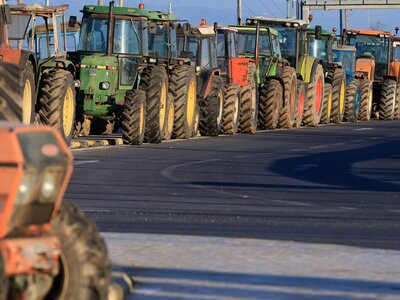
{"x":338,"y":96}
{"x":287,"y":113}
{"x":249,"y":103}
{"x":327,"y":104}
{"x":169,"y":126}
{"x":397,"y":105}
{"x":134,"y":117}
{"x":4,"y":283}
{"x":270,"y":104}
{"x":387,"y":99}
{"x":366,"y":91}
{"x":57,"y":102}
{"x":212,"y":109}
{"x":315,"y":96}
{"x":10,"y":93}
{"x":84,"y":264}
{"x":231,"y":119}
{"x":300,"y":100}
{"x":28,"y":94}
{"x":183,"y":89}
{"x":353,"y":101}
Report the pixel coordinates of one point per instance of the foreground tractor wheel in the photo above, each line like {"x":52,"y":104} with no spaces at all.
{"x":366,"y":91}
{"x":397,"y":105}
{"x":326,"y":105}
{"x":84,"y":264}
{"x":353,"y":101}
{"x":169,"y":126}
{"x":183,"y":89}
{"x":57,"y":102}
{"x":134,"y":117}
{"x":338,"y":95}
{"x":287,"y":113}
{"x":249,"y":103}
{"x":270,"y":104}
{"x":212,"y":109}
{"x":231,"y":120}
{"x":315,"y":96}
{"x":300,"y":100}
{"x":155,"y":83}
{"x":28,"y":95}
{"x":387,"y":99}
{"x":4,"y":283}
{"x":10,"y":93}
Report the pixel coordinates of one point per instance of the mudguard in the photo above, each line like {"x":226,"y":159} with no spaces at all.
{"x":365,"y":67}
{"x":395,"y":70}
{"x":307,"y":67}
{"x":60,"y":63}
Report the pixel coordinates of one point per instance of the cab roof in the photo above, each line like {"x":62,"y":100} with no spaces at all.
{"x":369,"y":32}
{"x":253,"y":28}
{"x":285,"y":22}
{"x":126,"y":11}
{"x":42,"y":11}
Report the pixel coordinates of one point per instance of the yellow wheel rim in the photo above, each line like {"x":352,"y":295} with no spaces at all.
{"x":329,"y":106}
{"x":191,"y":103}
{"x":236,"y":115}
{"x":68,"y":112}
{"x":27,"y":103}
{"x":170,"y":120}
{"x":163,"y":105}
{"x":141,"y":120}
{"x":342,"y":96}
{"x":221,"y":106}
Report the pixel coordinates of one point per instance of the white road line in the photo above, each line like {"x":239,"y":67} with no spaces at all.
{"x":82,"y":162}
{"x":363,"y":129}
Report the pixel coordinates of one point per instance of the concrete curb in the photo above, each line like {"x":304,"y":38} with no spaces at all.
{"x":78,"y":144}
{"x":121,"y":285}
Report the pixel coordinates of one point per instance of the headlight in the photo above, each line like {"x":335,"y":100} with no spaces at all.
{"x":105,"y":85}
{"x":26,"y":190}
{"x":77,"y":83}
{"x":50,"y":184}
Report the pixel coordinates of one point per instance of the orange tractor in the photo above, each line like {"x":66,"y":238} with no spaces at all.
{"x":376,"y":63}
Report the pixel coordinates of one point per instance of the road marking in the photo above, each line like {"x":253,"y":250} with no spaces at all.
{"x":82,"y":162}
{"x":305,"y":167}
{"x":363,"y":129}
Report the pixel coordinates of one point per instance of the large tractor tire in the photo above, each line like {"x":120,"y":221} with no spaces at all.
{"x":387,"y":99}
{"x":338,"y":95}
{"x":366,"y":90}
{"x":134,"y":117}
{"x":28,"y":94}
{"x":169,"y":126}
{"x":353,"y":101}
{"x":10,"y":93}
{"x":301,"y":96}
{"x":196,"y":122}
{"x":4,"y":283}
{"x":249,"y":103}
{"x":397,"y":105}
{"x":155,"y":83}
{"x":183,"y":89}
{"x":212,"y":109}
{"x":84,"y":264}
{"x":270,"y":104}
{"x":315,"y":97}
{"x":57,"y":102}
{"x":287,"y":114}
{"x":231,"y":117}
{"x":326,"y":105}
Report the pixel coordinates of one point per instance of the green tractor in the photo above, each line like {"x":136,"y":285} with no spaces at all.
{"x":280,"y":95}
{"x":292,"y":40}
{"x":120,"y":84}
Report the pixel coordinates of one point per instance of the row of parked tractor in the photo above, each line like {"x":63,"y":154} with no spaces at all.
{"x":147,"y":75}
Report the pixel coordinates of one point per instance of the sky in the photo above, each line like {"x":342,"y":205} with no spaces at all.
{"x":224,"y":11}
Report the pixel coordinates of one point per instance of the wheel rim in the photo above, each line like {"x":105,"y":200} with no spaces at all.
{"x":237,"y":113}
{"x":27,"y":103}
{"x":221,"y":106}
{"x":170,"y":120}
{"x":292,"y":99}
{"x":370,"y":98}
{"x":68,"y":112}
{"x":329,"y":106}
{"x":254,"y":100}
{"x":163,"y":105}
{"x":191,"y":103}
{"x":342,"y":96}
{"x":394,"y":105}
{"x":141,"y":125}
{"x":357,"y":103}
{"x":318,"y":96}
{"x":300,"y":107}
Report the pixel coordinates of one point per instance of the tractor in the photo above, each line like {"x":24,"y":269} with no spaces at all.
{"x":199,"y":44}
{"x":120,"y":84}
{"x":375,"y":62}
{"x":396,"y":58}
{"x":276,"y":80}
{"x":240,"y":88}
{"x":49,"y":89}
{"x":46,"y":247}
{"x":163,"y":49}
{"x":292,"y":40}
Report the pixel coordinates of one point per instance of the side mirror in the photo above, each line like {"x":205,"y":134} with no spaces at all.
{"x":72,"y":21}
{"x":318,"y":32}
{"x":396,"y":29}
{"x":186,"y":28}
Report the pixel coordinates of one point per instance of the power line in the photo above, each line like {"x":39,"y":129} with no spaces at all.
{"x":277,"y":6}
{"x":262,"y":3}
{"x":254,"y":14}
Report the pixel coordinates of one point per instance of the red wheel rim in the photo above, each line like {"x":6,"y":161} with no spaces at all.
{"x":318,"y":96}
{"x":292,"y":99}
{"x":300,"y":107}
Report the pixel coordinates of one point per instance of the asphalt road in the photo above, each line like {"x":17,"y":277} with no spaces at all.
{"x":331,"y":184}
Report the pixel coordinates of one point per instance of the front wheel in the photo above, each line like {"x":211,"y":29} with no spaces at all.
{"x":133,"y":117}
{"x":10,"y":93}
{"x":270,"y":104}
{"x":338,"y":96}
{"x":315,"y":97}
{"x":28,"y":94}
{"x":387,"y":100}
{"x":84,"y":264}
{"x":353,"y":101}
{"x":327,"y":104}
{"x":366,"y":90}
{"x":169,"y":126}
{"x":231,"y":109}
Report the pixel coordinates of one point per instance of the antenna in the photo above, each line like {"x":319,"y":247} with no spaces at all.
{"x":170,"y":7}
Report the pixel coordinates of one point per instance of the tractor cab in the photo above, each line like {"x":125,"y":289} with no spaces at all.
{"x":396,"y":49}
{"x":345,"y":56}
{"x":319,"y":44}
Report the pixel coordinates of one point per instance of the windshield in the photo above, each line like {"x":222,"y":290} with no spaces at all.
{"x":317,"y":48}
{"x":375,"y":47}
{"x":247,"y":43}
{"x":288,"y":42}
{"x":158,"y":40}
{"x":93,"y":36}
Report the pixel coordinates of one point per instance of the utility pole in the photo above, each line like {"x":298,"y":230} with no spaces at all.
{"x":100,"y":3}
{"x":121,"y":3}
{"x":239,"y":12}
{"x":170,"y":7}
{"x":346,"y":19}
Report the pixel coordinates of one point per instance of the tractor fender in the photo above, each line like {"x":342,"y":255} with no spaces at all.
{"x":208,"y":85}
{"x":366,"y":66}
{"x":394,"y":70}
{"x":59,"y":63}
{"x":308,"y":67}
